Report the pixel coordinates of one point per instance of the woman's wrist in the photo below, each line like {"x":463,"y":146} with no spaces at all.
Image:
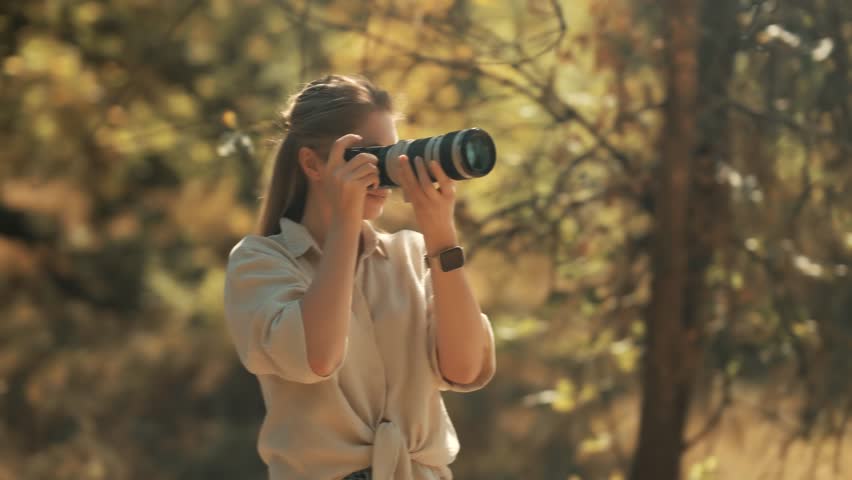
{"x":343,"y":231}
{"x":440,"y":239}
{"x":345,"y":223}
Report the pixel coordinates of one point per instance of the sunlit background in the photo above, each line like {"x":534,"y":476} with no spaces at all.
{"x":134,"y":144}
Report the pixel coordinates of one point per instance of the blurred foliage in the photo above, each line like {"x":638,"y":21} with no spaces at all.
{"x":135,"y":134}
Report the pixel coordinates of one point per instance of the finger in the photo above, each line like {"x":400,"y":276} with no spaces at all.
{"x":445,"y":183}
{"x":399,"y":170}
{"x":406,"y":180}
{"x":365,"y":180}
{"x":358,"y":161}
{"x":369,"y":181}
{"x":424,"y":179}
{"x":362,"y":171}
{"x":401,"y":179}
{"x":415,"y":191}
{"x":335,"y":156}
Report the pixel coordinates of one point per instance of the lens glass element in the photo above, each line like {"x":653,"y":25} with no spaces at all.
{"x":479,"y":152}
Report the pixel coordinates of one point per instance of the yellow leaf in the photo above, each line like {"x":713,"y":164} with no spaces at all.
{"x":229,"y":118}
{"x":88,"y":13}
{"x":564,"y":401}
{"x":13,"y":65}
{"x":597,"y":444}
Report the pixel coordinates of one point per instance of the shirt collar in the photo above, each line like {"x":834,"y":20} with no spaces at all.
{"x":299,"y":240}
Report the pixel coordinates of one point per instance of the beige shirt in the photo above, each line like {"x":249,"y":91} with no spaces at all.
{"x":382,"y":406}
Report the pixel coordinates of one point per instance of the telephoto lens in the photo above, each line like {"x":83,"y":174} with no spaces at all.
{"x":463,"y":154}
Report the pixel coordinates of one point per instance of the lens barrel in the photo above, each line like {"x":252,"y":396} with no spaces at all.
{"x":463,"y":154}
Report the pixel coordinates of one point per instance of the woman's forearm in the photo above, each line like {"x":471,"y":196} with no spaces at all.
{"x":461,"y":334}
{"x":327,"y":304}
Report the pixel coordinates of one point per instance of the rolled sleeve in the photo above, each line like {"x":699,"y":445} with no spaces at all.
{"x":262,"y":294}
{"x":489,"y":360}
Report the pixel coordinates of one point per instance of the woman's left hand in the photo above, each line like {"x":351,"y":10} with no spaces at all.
{"x":433,"y":208}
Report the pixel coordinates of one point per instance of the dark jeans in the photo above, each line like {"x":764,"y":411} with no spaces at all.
{"x":366,"y":474}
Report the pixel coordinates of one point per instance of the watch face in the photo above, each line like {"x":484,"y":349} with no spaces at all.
{"x":452,"y":259}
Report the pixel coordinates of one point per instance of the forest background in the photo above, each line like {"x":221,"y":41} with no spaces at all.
{"x":663,"y":247}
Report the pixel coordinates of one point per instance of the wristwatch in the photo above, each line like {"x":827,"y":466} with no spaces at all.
{"x":451,"y":258}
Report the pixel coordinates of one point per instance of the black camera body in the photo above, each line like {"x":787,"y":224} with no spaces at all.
{"x":463,"y":154}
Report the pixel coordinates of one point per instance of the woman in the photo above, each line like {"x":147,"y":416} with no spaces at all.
{"x":337,"y":319}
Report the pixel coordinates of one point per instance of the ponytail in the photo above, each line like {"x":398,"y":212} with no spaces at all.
{"x":287,"y":189}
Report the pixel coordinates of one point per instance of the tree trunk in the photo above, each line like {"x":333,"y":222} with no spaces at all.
{"x":692,"y":225}
{"x":667,"y":370}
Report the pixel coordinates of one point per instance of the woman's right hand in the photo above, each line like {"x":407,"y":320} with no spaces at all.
{"x":347,"y":182}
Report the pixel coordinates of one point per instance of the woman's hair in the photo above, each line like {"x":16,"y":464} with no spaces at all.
{"x":323,"y":111}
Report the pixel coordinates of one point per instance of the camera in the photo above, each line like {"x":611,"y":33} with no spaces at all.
{"x":463,"y":154}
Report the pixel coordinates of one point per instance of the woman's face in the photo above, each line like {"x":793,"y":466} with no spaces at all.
{"x":378,"y":129}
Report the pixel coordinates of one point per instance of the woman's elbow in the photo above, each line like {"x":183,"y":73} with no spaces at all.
{"x":326,"y":363}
